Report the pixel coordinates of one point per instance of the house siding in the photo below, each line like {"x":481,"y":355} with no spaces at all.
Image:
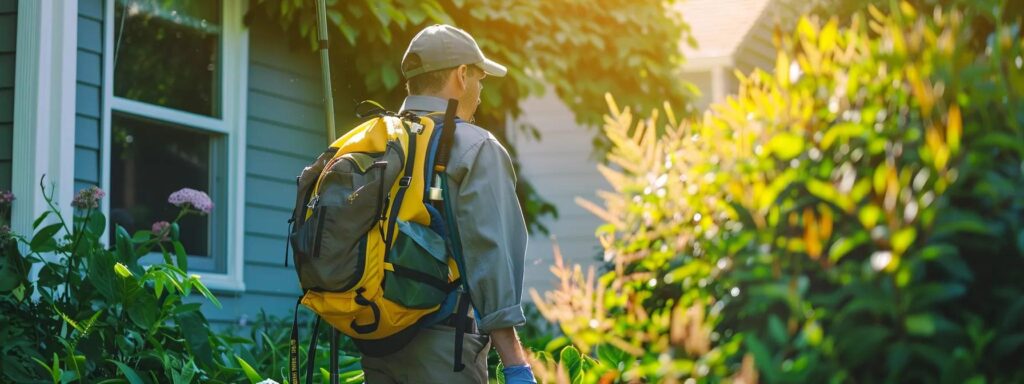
{"x":284,"y":134}
{"x":561,"y":167}
{"x":8,"y":42}
{"x":89,"y":81}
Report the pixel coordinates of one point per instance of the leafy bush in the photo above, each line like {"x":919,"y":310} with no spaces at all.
{"x":92,"y":313}
{"x":265,"y":344}
{"x":857,"y":215}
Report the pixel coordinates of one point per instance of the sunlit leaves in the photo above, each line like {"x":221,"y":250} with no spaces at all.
{"x":828,"y":222}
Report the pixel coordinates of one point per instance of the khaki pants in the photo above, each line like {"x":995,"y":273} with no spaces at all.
{"x":429,"y":358}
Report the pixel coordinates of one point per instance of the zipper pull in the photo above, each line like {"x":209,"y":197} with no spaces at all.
{"x":312,"y":203}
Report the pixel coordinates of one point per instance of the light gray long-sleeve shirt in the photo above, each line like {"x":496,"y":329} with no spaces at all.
{"x":482,"y":185}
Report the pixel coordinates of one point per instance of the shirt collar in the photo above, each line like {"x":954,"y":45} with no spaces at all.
{"x":422,"y":103}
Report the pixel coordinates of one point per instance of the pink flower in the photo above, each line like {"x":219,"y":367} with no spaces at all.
{"x":6,"y":197}
{"x":88,"y":198}
{"x":161,"y":229}
{"x":190,"y":198}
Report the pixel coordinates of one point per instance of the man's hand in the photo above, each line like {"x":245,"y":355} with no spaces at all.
{"x":519,"y":374}
{"x":517,"y":371}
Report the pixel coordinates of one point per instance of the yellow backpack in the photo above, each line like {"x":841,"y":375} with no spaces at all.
{"x":370,"y":239}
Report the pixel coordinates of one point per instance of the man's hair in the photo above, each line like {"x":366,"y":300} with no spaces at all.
{"x":428,"y":82}
{"x":433,"y":81}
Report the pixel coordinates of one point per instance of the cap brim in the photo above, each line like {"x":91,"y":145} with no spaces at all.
{"x":493,"y":69}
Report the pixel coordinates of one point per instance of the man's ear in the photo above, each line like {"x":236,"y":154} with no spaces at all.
{"x":462,"y":76}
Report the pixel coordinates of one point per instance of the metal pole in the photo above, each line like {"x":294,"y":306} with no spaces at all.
{"x":321,"y":11}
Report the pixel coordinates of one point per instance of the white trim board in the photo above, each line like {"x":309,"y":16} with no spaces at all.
{"x":234,"y":85}
{"x":44,"y":107}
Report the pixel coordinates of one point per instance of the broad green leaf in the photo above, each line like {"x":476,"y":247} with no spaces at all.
{"x":11,"y":273}
{"x":862,"y":343}
{"x":184,"y":308}
{"x":43,"y":240}
{"x":920,"y":324}
{"x":142,"y":308}
{"x":179,"y":251}
{"x":762,"y":357}
{"x":126,"y":250}
{"x":129,"y":373}
{"x":925,"y":295}
{"x":776,"y":330}
{"x":570,"y":359}
{"x":97,"y":224}
{"x":39,"y":220}
{"x":195,"y":329}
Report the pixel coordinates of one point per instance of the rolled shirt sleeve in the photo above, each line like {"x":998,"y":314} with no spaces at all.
{"x":493,"y":232}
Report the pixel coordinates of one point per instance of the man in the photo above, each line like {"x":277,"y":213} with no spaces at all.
{"x":441,"y":63}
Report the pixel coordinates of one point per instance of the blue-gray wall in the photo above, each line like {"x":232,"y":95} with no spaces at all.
{"x":8,"y":29}
{"x":87,"y":93}
{"x":284,"y":133}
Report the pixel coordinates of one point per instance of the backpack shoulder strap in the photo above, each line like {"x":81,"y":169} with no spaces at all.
{"x":444,"y":151}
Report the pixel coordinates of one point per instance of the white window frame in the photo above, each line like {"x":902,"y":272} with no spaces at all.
{"x":234,"y":90}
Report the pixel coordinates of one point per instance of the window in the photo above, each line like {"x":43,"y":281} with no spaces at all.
{"x":176,"y":103}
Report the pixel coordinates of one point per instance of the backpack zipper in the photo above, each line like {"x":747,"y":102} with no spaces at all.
{"x":319,"y":231}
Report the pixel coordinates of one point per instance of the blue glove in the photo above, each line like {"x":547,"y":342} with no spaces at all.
{"x":519,"y":374}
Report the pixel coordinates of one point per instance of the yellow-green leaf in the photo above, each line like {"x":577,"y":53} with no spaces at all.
{"x":829,"y":33}
{"x":879,"y":178}
{"x":954,"y":128}
{"x":250,"y":373}
{"x":902,"y":239}
{"x":807,"y":30}
{"x":786,"y":146}
{"x":122,"y":270}
{"x":869,"y":216}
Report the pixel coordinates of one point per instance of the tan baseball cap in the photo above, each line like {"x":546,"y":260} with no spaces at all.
{"x":443,"y":46}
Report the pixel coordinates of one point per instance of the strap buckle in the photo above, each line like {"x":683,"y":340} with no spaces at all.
{"x":405,"y":181}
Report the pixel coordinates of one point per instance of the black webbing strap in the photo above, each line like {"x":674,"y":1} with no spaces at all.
{"x":293,"y":346}
{"x":311,"y":352}
{"x":334,"y":356}
{"x":461,"y":322}
{"x":293,"y":349}
{"x":444,"y":149}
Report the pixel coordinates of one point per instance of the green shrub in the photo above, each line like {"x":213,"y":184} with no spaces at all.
{"x":93,"y":312}
{"x":855,"y":216}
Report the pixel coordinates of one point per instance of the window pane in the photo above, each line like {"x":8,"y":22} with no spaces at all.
{"x":149,"y":161}
{"x":167,"y":52}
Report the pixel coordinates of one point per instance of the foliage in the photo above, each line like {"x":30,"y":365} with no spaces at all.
{"x":575,"y":47}
{"x":74,"y":309}
{"x":855,"y":216}
{"x":265,"y":346}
